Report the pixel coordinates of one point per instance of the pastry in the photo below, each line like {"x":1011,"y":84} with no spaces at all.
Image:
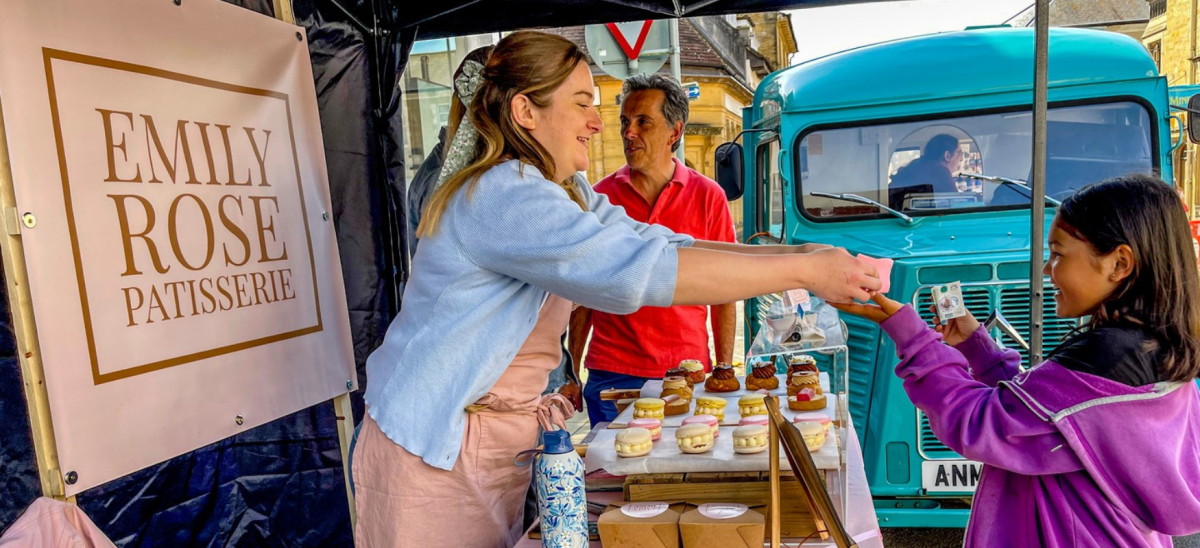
{"x":819,"y":418}
{"x":634,"y":442}
{"x":648,"y":408}
{"x":723,"y":379}
{"x":707,"y":420}
{"x":804,"y":379}
{"x":711,"y":406}
{"x":676,"y":405}
{"x":677,"y":386}
{"x":813,"y":434}
{"x":762,"y":377}
{"x":750,"y":439}
{"x":653,"y":425}
{"x":695,"y":371}
{"x":677,"y":371}
{"x":752,"y":404}
{"x":694,"y":438}
{"x":802,"y":362}
{"x":806,"y":400}
{"x":761,"y":420}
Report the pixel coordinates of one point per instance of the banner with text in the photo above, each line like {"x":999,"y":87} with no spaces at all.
{"x":170,"y":179}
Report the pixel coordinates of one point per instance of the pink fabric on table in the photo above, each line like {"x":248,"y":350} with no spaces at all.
{"x":49,"y":523}
{"x":403,"y":502}
{"x":884,"y":267}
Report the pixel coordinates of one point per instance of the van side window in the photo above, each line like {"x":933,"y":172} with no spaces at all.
{"x":770,"y":190}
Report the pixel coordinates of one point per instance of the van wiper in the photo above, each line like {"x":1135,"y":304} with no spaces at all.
{"x":861,"y":200}
{"x":1020,"y":186}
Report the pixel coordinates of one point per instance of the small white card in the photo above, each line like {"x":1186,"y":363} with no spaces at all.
{"x":948,"y":301}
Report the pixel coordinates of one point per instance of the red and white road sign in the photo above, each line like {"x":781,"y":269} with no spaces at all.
{"x":626,"y":33}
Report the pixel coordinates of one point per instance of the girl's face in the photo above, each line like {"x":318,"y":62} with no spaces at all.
{"x":566,"y":125}
{"x":1083,"y":279}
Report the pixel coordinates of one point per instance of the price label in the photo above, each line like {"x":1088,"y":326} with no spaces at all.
{"x":714,"y":510}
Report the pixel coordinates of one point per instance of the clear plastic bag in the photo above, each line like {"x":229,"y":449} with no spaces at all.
{"x":797,"y":321}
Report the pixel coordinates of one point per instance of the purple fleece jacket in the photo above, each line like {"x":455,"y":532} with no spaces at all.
{"x":1070,"y":459}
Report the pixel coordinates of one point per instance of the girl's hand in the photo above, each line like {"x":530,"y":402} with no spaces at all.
{"x":877,"y":314}
{"x":955,"y":330}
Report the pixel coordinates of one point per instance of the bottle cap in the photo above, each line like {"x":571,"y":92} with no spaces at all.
{"x":556,"y":442}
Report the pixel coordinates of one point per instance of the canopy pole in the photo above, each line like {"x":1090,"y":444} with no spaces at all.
{"x":1037,"y":204}
{"x":677,"y":74}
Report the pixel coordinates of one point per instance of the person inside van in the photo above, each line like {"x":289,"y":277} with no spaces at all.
{"x":933,"y":172}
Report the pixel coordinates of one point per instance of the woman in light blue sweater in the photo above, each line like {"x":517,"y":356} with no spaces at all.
{"x":510,"y":236}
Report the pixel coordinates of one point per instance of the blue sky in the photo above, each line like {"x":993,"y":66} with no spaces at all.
{"x":821,"y":31}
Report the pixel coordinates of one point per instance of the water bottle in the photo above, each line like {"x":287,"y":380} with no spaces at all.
{"x":561,"y":501}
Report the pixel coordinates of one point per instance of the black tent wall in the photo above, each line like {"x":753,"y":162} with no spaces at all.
{"x":280,"y":484}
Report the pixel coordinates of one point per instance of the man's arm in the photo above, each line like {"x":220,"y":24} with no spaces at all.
{"x":757,"y":249}
{"x":724,"y":326}
{"x":577,"y":336}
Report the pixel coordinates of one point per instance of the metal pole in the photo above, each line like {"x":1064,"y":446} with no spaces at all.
{"x":676,"y":73}
{"x":1037,"y":204}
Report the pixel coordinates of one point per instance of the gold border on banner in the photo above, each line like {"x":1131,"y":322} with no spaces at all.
{"x":50,"y":55}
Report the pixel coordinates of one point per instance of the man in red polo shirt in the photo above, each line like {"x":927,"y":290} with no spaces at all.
{"x":655,"y":187}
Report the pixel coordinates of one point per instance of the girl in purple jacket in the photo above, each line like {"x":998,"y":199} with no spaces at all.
{"x":1099,"y":445}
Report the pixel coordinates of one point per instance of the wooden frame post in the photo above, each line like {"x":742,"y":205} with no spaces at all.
{"x":20,"y":303}
{"x":341,"y":404}
{"x":773,"y":509}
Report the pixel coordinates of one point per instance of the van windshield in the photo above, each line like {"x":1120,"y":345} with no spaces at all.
{"x":968,"y":163}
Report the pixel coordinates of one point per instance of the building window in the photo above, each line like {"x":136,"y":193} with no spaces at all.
{"x":1156,"y":54}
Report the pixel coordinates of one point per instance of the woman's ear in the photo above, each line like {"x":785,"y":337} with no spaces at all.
{"x":1122,"y":264}
{"x":522,"y":112}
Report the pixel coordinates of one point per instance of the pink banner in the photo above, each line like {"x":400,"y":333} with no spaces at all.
{"x":183,"y":268}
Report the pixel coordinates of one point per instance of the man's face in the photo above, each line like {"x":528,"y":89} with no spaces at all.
{"x":644,"y":130}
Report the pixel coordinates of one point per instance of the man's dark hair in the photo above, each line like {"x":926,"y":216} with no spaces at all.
{"x":938,"y":146}
{"x":675,"y":101}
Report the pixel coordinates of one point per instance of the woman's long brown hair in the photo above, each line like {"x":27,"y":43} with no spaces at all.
{"x":1162,"y":294}
{"x":531,"y":63}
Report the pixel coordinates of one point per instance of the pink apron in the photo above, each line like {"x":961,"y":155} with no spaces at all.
{"x":403,"y":502}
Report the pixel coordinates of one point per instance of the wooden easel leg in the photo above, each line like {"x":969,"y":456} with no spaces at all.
{"x":345,"y":414}
{"x":20,"y":304}
{"x":773,"y":509}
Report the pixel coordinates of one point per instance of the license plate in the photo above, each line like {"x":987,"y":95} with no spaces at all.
{"x":950,"y":476}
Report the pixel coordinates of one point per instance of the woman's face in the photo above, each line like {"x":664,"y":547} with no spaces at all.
{"x":1082,"y":278}
{"x":567,"y":124}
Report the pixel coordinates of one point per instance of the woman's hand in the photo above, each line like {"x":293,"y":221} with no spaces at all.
{"x":956,"y":330}
{"x":838,"y":277}
{"x":877,"y":314}
{"x":810,"y":247}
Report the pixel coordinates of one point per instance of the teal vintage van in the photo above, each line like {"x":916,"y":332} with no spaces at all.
{"x":830,"y":155}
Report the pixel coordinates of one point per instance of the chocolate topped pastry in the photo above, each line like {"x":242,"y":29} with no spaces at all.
{"x":801,"y":363}
{"x":723,"y":379}
{"x":762,"y":377}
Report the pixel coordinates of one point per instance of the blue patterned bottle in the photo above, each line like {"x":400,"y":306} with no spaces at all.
{"x":561,"y":501}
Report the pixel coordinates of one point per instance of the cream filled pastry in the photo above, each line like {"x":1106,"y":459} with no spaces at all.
{"x":694,"y":438}
{"x":653,"y":425}
{"x":750,"y":439}
{"x":761,"y":420}
{"x":707,"y":420}
{"x":649,"y":408}
{"x":711,"y":406}
{"x":634,"y":442}
{"x":695,"y":371}
{"x":752,"y":404}
{"x":819,"y":418}
{"x":813,"y":434}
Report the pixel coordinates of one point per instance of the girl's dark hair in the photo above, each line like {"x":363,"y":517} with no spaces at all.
{"x":1160,"y":296}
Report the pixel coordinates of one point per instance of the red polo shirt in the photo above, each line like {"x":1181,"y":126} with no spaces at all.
{"x":652,"y":340}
